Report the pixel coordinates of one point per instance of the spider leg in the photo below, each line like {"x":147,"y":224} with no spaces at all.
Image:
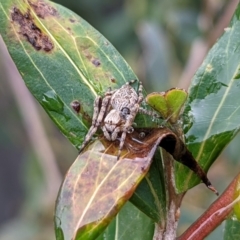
{"x":127,"y":128}
{"x":96,"y":107}
{"x":131,"y":82}
{"x":110,"y":92}
{"x":122,"y":140}
{"x":148,"y":112}
{"x":140,"y":99}
{"x":93,"y":128}
{"x":106,"y":134}
{"x":101,"y":106}
{"x":140,"y":94}
{"x":104,"y":108}
{"x":88,"y":137}
{"x":115,"y":133}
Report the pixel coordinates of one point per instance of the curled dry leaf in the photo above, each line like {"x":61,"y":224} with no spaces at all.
{"x":97,"y":185}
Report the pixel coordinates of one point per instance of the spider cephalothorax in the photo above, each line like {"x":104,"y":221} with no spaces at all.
{"x":115,"y":113}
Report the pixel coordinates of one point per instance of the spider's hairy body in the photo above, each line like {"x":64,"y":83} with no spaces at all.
{"x":115,"y":113}
{"x":126,"y":96}
{"x":113,"y":120}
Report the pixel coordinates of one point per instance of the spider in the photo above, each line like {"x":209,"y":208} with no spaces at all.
{"x":115,"y":113}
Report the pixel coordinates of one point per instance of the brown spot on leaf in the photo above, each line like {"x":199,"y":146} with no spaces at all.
{"x":96,"y":62}
{"x":42,"y":9}
{"x":30,"y":31}
{"x":87,"y":54}
{"x":76,"y":106}
{"x":72,"y":20}
{"x":113,"y":80}
{"x":69,"y":30}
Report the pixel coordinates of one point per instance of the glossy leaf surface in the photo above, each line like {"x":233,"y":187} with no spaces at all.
{"x":168,"y":104}
{"x":232,"y":229}
{"x":212,"y":113}
{"x":61,"y":58}
{"x":130,"y":223}
{"x":150,"y":195}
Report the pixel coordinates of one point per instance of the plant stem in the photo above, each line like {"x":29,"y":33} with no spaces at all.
{"x":158,"y":233}
{"x":173,"y":202}
{"x":214,"y":215}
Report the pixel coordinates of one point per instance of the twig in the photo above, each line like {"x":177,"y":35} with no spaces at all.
{"x":214,"y":215}
{"x":173,"y":201}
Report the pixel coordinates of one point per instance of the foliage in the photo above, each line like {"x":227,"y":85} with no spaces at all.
{"x":59,"y":56}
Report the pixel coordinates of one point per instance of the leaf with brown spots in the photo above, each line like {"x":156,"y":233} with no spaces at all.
{"x":62,"y":58}
{"x":97,"y":185}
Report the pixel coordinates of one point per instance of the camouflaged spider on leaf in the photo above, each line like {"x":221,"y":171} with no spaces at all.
{"x":115,"y":113}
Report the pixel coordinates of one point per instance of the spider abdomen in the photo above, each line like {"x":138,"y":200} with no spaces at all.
{"x":126,"y":96}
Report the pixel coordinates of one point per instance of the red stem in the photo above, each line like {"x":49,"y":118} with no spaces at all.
{"x":213,"y":216}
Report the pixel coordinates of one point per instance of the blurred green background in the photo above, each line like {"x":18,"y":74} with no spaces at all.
{"x":164,"y":42}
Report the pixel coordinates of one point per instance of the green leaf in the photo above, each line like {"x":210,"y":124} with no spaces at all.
{"x":150,"y":195}
{"x":130,"y":223}
{"x":232,"y":226}
{"x":236,"y":208}
{"x":212,"y":113}
{"x":61,"y":59}
{"x":232,"y":229}
{"x":168,"y":104}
